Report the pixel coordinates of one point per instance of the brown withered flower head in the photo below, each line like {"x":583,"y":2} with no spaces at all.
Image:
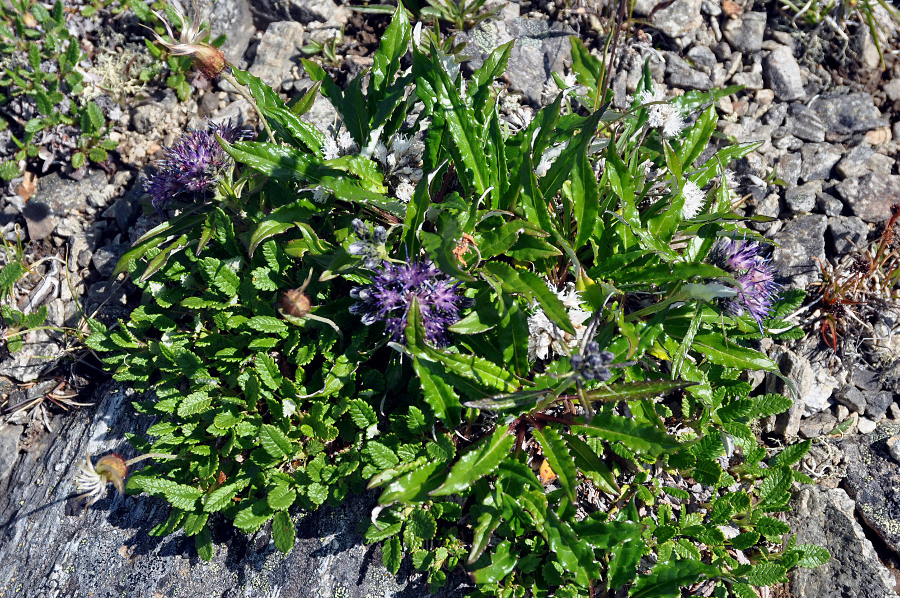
{"x":208,"y":59}
{"x":92,"y":479}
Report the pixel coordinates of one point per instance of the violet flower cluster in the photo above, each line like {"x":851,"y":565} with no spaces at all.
{"x":757,"y":289}
{"x":394,"y":286}
{"x":370,"y":246}
{"x":190,"y":168}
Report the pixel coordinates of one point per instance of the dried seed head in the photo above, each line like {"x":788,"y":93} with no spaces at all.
{"x":92,"y":479}
{"x":208,"y":59}
{"x":295,"y":303}
{"x":861,"y":265}
{"x":889,"y":236}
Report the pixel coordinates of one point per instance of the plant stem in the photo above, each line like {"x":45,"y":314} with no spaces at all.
{"x":246,"y":95}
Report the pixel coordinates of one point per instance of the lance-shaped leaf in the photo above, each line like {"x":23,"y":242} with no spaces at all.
{"x":667,"y":578}
{"x":591,"y":466}
{"x":502,"y":564}
{"x":533,"y":287}
{"x":717,"y":350}
{"x":560,"y":460}
{"x":641,"y":438}
{"x":481,"y":460}
{"x":633,"y":391}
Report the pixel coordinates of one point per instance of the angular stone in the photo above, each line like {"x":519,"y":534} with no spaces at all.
{"x":788,"y":169}
{"x":702,"y":56}
{"x":303,"y":11}
{"x":825,"y":517}
{"x":818,"y":425}
{"x":872,"y":480}
{"x":829,"y":205}
{"x":870,"y":196}
{"x":680,"y":74}
{"x":233,"y":19}
{"x":805,"y":123}
{"x":892,"y":89}
{"x":56,"y":198}
{"x":849,"y":113}
{"x":676,"y":20}
{"x":854,"y":162}
{"x":278,"y":48}
{"x":782,"y":74}
{"x":800,"y":241}
{"x":541,"y":47}
{"x":745,"y":34}
{"x":818,"y":160}
{"x":865,"y":379}
{"x":853,"y":398}
{"x":877,"y":404}
{"x":847,"y":233}
{"x":802,"y":199}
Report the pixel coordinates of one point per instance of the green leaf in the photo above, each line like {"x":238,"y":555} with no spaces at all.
{"x":812,"y":556}
{"x":10,"y":275}
{"x":488,"y":521}
{"x":623,"y":562}
{"x":392,"y":554}
{"x":632,"y":391}
{"x":267,"y":324}
{"x":203,"y":544}
{"x":281,"y":497}
{"x":774,"y":489}
{"x":382,"y":456}
{"x":561,"y":461}
{"x":791,"y":454}
{"x":591,"y":466}
{"x":745,"y":540}
{"x":771,"y":528}
{"x":717,"y":350}
{"x":194,"y":523}
{"x":194,"y":403}
{"x":283,"y":532}
{"x":222,"y":497}
{"x":275,"y":442}
{"x":502,"y":564}
{"x":766,"y":574}
{"x":576,"y":557}
{"x":641,"y":438}
{"x":393,"y":46}
{"x":667,"y":578}
{"x":439,"y":395}
{"x":250,"y":518}
{"x":479,"y":461}
{"x":533,"y":287}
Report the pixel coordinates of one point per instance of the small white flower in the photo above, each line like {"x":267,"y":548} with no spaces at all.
{"x":405,"y":191}
{"x":320,"y":194}
{"x":379,"y":154}
{"x":330,"y":149}
{"x":346,"y":143}
{"x":544,"y":336}
{"x":92,"y":481}
{"x":543,"y":166}
{"x":401,"y":145}
{"x":662,"y":116}
{"x":694,"y":199}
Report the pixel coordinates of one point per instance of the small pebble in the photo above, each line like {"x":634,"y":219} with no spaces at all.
{"x":866,"y":425}
{"x":893,"y":444}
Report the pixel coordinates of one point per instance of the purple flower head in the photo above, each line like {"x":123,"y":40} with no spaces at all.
{"x":757,"y":289}
{"x":192,"y":166}
{"x":370,"y":247}
{"x":388,"y":299}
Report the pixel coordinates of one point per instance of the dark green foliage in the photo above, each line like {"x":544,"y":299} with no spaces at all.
{"x":484,"y":455}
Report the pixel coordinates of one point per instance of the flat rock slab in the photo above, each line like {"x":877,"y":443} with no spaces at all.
{"x":824,"y":517}
{"x":873,"y":480}
{"x":48,"y":549}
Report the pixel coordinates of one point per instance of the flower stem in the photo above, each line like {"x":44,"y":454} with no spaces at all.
{"x":246,"y":95}
{"x":140,"y":458}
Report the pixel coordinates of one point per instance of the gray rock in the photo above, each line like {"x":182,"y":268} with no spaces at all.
{"x":847,"y":232}
{"x":877,"y":404}
{"x":303,"y":11}
{"x":775,"y":115}
{"x":800,"y":240}
{"x":824,"y":517}
{"x":106,"y":257}
{"x":680,"y":74}
{"x":233,"y":19}
{"x":9,"y":452}
{"x":818,"y":425}
{"x":852,"y":397}
{"x":802,"y":199}
{"x":752,"y":79}
{"x":745,"y":34}
{"x":870,"y":196}
{"x":678,"y":19}
{"x":278,"y":49}
{"x":109,"y":553}
{"x":782,"y":74}
{"x":829,"y":205}
{"x":146,"y":115}
{"x":849,"y":113}
{"x":788,"y":168}
{"x":801,"y":374}
{"x":855,"y":162}
{"x":540,"y":49}
{"x":57,"y":197}
{"x":818,"y":160}
{"x":804,"y":123}
{"x":865,"y":379}
{"x":39,"y":354}
{"x":872,"y":480}
{"x":702,"y":56}
{"x":892,"y":89}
